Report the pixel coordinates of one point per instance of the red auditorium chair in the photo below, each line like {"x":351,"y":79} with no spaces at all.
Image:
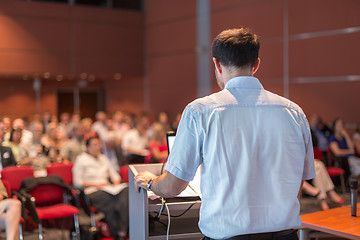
{"x":45,"y":200}
{"x":124,"y":173}
{"x":63,"y":170}
{"x":14,"y":175}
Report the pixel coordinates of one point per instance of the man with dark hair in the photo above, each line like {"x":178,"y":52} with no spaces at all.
{"x":254,"y":147}
{"x":93,"y":172}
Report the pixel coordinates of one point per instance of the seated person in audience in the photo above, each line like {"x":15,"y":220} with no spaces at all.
{"x":164,"y":120}
{"x":53,"y":142}
{"x":6,"y":122}
{"x":135,"y":142}
{"x":121,"y":125}
{"x":34,"y":153}
{"x":10,"y":212}
{"x":26,"y":135}
{"x":92,"y":171}
{"x":7,"y":158}
{"x":14,"y":142}
{"x":356,"y":139}
{"x":62,"y":127}
{"x":342,"y":147}
{"x":323,"y":186}
{"x":113,"y":152}
{"x":321,"y":132}
{"x":87,"y":124}
{"x":99,"y":126}
{"x":158,"y":145}
{"x":73,"y":148}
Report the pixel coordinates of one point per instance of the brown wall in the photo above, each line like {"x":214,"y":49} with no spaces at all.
{"x":324,"y":58}
{"x":170,"y":55}
{"x":40,"y":37}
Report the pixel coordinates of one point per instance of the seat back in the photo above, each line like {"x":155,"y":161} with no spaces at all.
{"x":318,"y":154}
{"x":46,"y":194}
{"x":61,"y":169}
{"x":14,"y":175}
{"x":124,"y":173}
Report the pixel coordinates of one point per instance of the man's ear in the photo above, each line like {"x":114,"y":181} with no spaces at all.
{"x":256,"y":65}
{"x":217,"y":65}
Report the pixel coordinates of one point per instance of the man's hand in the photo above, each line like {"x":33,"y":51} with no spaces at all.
{"x":142,"y":179}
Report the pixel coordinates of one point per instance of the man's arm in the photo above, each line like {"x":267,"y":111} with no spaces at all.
{"x":165,"y":185}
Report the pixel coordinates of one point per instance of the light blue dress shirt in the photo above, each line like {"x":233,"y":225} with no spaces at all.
{"x":255,"y":147}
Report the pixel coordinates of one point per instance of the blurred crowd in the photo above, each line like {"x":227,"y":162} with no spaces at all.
{"x":125,"y":138}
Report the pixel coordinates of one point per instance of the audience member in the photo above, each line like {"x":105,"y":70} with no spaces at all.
{"x":113,"y":152}
{"x":342,"y":147}
{"x":158,"y":145}
{"x":51,"y":141}
{"x":92,"y":171}
{"x":63,"y":126}
{"x":323,"y":186}
{"x":73,"y":148}
{"x":164,"y":120}
{"x":87,"y":123}
{"x":121,"y":125}
{"x":26,"y":135}
{"x":45,"y":119}
{"x":10,"y":212}
{"x":321,"y":132}
{"x":14,"y":142}
{"x":135,"y":142}
{"x":99,"y":126}
{"x":7,"y":127}
{"x":34,"y":153}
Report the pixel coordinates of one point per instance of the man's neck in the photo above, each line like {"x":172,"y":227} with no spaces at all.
{"x":232,"y":72}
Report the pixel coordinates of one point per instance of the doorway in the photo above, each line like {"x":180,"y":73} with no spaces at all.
{"x":85,"y":102}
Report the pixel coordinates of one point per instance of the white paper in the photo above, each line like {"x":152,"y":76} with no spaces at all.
{"x":114,"y":189}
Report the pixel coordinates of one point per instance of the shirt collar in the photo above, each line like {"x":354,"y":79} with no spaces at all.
{"x":244,"y":82}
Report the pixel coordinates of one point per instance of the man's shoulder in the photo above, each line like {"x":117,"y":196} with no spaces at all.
{"x":277,"y":100}
{"x":206,"y":103}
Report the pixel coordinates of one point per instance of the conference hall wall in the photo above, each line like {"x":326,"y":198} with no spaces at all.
{"x":69,"y":48}
{"x":309,"y":51}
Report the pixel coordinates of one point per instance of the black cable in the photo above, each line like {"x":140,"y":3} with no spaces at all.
{"x":181,"y":214}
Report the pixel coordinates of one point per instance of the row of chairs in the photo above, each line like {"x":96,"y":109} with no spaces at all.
{"x":49,"y":199}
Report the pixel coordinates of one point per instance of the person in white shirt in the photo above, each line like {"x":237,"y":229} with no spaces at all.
{"x":100,"y":127}
{"x":92,"y":171}
{"x":135,"y":142}
{"x":254,"y":147}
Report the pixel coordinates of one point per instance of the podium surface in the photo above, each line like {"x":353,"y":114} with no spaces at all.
{"x":142,"y":208}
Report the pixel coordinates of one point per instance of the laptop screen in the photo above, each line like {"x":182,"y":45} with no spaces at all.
{"x":194,"y":186}
{"x":170,"y":138}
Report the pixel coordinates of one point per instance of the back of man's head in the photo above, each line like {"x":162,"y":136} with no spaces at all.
{"x":236,"y":48}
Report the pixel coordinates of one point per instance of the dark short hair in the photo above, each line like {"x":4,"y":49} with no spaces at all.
{"x":89,"y":139}
{"x":236,"y":47}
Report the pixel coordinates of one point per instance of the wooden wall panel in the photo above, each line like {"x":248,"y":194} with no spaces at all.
{"x":325,"y":56}
{"x":322,"y":15}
